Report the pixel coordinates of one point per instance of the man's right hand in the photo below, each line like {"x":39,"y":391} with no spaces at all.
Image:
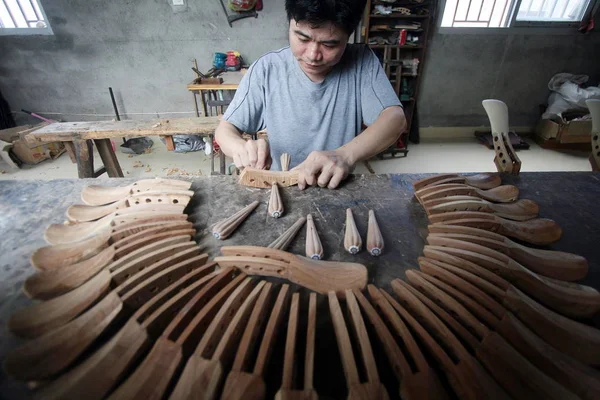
{"x":253,"y":154}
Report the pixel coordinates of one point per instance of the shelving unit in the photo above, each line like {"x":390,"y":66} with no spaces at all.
{"x":396,"y":58}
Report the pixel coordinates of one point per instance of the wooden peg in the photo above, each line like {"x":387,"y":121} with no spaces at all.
{"x":352,"y":240}
{"x":225,"y":228}
{"x":314,"y":248}
{"x":283,"y":241}
{"x":275,"y":204}
{"x":374,"y":238}
{"x":285,"y":162}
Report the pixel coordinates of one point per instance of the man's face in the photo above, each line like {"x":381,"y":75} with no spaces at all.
{"x":317,"y":49}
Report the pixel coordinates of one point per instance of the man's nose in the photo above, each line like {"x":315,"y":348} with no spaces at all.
{"x":314,"y":52}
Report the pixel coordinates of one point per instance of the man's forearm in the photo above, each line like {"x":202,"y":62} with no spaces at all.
{"x":228,"y":137}
{"x":386,"y":129}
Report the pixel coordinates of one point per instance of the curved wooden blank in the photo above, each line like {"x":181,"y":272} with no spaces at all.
{"x":320,"y":276}
{"x":520,"y":210}
{"x":314,"y":248}
{"x":500,"y":194}
{"x":482,"y":181}
{"x":61,"y":233}
{"x":40,"y":318}
{"x":56,"y":256}
{"x":265,"y":179}
{"x":568,"y":298}
{"x":352,"y":240}
{"x":124,"y":234}
{"x":553,"y":264}
{"x":343,"y":341}
{"x":289,"y":356}
{"x":89,"y":379}
{"x":99,"y":195}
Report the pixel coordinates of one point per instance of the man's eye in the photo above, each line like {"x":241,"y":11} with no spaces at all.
{"x":303,"y":39}
{"x":331,"y":46}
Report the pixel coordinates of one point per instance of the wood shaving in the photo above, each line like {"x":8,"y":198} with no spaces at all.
{"x":156,"y":125}
{"x":130,"y":156}
{"x":137,"y":164}
{"x":148,"y":169}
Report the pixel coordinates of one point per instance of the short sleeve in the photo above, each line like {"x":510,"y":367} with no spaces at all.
{"x":246,"y":111}
{"x":377,"y":92}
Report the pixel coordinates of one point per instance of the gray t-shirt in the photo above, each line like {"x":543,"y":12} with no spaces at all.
{"x":301,"y":116}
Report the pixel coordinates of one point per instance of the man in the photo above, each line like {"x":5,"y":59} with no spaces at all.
{"x":313,"y":97}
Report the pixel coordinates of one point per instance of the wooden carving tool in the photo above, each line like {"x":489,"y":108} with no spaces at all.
{"x":374,"y":237}
{"x":202,"y":374}
{"x":156,"y":372}
{"x":423,"y":383}
{"x":594,"y":107}
{"x":265,"y":179}
{"x":62,"y":234}
{"x":554,"y":264}
{"x":569,"y":372}
{"x":145,"y":201}
{"x":275,"y":208}
{"x":520,"y":210}
{"x":286,"y":391}
{"x":481,"y":181}
{"x":283,"y":241}
{"x":99,"y":195}
{"x":243,"y":385}
{"x":466,"y":376}
{"x":567,"y":298}
{"x":511,"y":370}
{"x":222,"y":230}
{"x":500,"y":194}
{"x":506,"y":158}
{"x":539,"y":231}
{"x":320,"y":276}
{"x":352,"y":240}
{"x":372,"y":389}
{"x":46,"y":316}
{"x":52,"y":352}
{"x":578,"y":340}
{"x":285,"y":162}
{"x":48,"y":284}
{"x":61,"y":255}
{"x":90,"y":379}
{"x":314,"y":248}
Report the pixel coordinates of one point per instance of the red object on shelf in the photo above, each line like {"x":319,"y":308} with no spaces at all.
{"x":402,"y":39}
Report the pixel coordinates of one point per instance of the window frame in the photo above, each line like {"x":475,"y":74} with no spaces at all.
{"x":30,"y":31}
{"x":516,"y":27}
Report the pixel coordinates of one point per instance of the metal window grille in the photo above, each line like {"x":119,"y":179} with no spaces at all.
{"x":500,"y":13}
{"x":21,"y":14}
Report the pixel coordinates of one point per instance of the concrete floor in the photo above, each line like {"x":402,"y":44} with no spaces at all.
{"x":432,"y":155}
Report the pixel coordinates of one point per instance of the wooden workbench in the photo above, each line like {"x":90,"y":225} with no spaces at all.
{"x":28,"y":207}
{"x":78,"y":137}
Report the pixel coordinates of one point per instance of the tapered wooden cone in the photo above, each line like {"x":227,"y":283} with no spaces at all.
{"x":314,"y":248}
{"x":352,"y":240}
{"x":223,"y":229}
{"x":283,"y":241}
{"x":374,"y":238}
{"x":275,"y":203}
{"x":285,"y":162}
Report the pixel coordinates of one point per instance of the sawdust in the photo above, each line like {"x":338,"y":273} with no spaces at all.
{"x":181,"y":172}
{"x":138,"y":164}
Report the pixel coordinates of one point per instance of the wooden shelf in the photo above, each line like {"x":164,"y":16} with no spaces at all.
{"x":383,"y":46}
{"x":399,"y":15}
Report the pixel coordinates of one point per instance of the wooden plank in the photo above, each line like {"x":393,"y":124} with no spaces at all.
{"x":169,"y":142}
{"x":69,"y":131}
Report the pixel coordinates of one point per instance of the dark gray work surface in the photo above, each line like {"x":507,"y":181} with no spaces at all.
{"x":28,"y":207}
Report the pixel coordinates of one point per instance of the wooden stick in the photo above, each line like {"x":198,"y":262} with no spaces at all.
{"x":285,"y":162}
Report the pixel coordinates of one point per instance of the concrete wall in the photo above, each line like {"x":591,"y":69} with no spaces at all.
{"x":144,"y":50}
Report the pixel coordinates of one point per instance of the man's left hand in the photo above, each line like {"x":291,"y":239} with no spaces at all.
{"x":323,"y":168}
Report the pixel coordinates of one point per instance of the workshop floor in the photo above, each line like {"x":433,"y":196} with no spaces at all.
{"x":433,"y":155}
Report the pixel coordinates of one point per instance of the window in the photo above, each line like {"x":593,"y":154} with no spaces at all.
{"x":508,"y":13}
{"x":23,"y":17}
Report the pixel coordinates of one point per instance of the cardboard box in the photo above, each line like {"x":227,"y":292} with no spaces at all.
{"x":566,"y":132}
{"x":27,"y":153}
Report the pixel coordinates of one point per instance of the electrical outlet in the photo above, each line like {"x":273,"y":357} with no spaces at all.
{"x":178,"y":2}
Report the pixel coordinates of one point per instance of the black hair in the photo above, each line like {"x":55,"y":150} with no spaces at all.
{"x":344,"y":13}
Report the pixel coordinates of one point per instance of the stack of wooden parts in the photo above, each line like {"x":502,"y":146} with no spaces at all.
{"x":130,"y":309}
